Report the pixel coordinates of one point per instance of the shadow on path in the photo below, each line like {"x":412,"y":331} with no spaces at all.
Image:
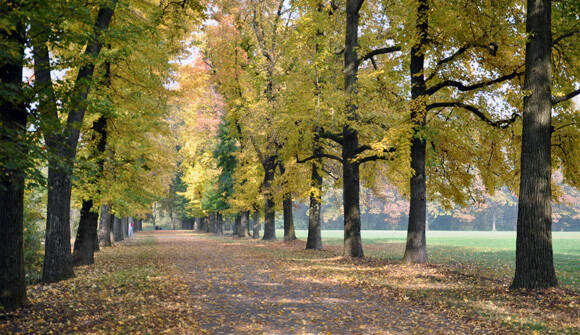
{"x":236,"y":292}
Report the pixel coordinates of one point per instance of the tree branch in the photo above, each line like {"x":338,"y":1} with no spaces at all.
{"x":276,"y":20}
{"x":259,"y":37}
{"x":566,"y":35}
{"x":476,"y":112}
{"x":335,"y":137}
{"x":320,"y":155}
{"x":492,"y":48}
{"x":380,"y":51}
{"x":362,"y":149}
{"x":557,"y":100}
{"x":374,"y":157}
{"x":464,"y":88}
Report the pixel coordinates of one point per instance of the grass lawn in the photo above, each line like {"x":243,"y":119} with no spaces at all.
{"x":493,"y":251}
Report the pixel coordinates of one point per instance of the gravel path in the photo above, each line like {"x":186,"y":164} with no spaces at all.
{"x":236,"y":290}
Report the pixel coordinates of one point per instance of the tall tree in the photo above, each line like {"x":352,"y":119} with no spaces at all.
{"x":13,"y":152}
{"x":534,"y":255}
{"x":62,"y":144}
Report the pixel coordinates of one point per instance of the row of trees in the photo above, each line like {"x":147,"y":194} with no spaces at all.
{"x":90,"y":123}
{"x":432,"y":97}
{"x":442,"y":100}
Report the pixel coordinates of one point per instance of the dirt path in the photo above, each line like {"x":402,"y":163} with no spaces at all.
{"x":238,"y":290}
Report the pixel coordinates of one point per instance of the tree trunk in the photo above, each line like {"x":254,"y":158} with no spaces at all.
{"x":62,"y":145}
{"x":314,"y":240}
{"x":351,"y":196}
{"x":493,"y":219}
{"x":534,"y":257}
{"x":57,"y":249}
{"x":237,"y":224}
{"x":350,"y":169}
{"x":105,"y":226}
{"x":269,"y":210}
{"x":84,"y":247}
{"x":154,"y":216}
{"x":125,"y":225}
{"x":256,"y":224}
{"x":416,"y":250}
{"x":117,"y":229}
{"x":289,"y":234}
{"x":13,"y":151}
{"x":220,"y":224}
{"x":244,"y":223}
{"x":249,"y":227}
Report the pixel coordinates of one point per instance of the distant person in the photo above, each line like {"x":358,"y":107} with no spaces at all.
{"x":131,"y":225}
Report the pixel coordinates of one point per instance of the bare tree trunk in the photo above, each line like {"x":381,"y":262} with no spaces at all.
{"x":125,"y":223}
{"x":237,"y":226}
{"x":416,"y":249}
{"x":84,"y":247}
{"x":219,"y":224}
{"x":105,"y":226}
{"x":117,"y":229}
{"x":289,"y":233}
{"x":314,"y":240}
{"x":154,"y":216}
{"x":269,"y":210}
{"x":256,"y":224}
{"x":534,"y":256}
{"x":244,"y":222}
{"x":203,"y":225}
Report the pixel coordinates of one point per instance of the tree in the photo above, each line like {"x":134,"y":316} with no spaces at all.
{"x":62,"y":143}
{"x":534,"y":256}
{"x":13,"y":152}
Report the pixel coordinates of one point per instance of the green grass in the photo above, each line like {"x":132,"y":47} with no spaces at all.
{"x":494,"y":251}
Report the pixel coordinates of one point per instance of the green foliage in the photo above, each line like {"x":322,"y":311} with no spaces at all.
{"x":227,"y":162}
{"x":34,"y":218}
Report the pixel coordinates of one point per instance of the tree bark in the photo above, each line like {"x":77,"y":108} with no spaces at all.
{"x":534,"y":256}
{"x":314,"y":240}
{"x":289,"y":233}
{"x":416,"y":250}
{"x":12,"y":147}
{"x":350,"y":168}
{"x":256,"y":224}
{"x":58,"y":258}
{"x":117,"y":229}
{"x":125,"y":225}
{"x":269,"y":210}
{"x":351,"y":196}
{"x":84,"y":247}
{"x":244,"y":223}
{"x":220,"y":224}
{"x":105,"y":226}
{"x":237,"y":225}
